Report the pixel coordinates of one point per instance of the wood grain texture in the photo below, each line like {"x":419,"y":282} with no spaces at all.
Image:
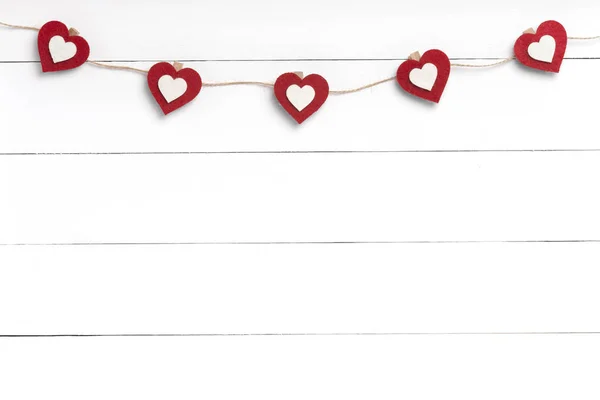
{"x":258,"y":289}
{"x":298,"y":368}
{"x":95,"y":110}
{"x":466,"y":196}
{"x":300,"y":197}
{"x":268,"y":29}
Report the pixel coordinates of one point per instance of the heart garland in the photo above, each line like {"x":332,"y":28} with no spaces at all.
{"x":426,"y":76}
{"x":301,"y":96}
{"x":60,"y":48}
{"x":173,"y":86}
{"x":544,"y":49}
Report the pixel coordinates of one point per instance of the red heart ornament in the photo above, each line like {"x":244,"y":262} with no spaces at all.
{"x":427,"y":77}
{"x":544,"y":49}
{"x":172,"y":89}
{"x":301,"y":97}
{"x":59,"y":50}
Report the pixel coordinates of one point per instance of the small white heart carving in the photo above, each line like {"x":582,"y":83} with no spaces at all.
{"x":424,"y":77}
{"x":300,"y":97}
{"x":171,"y":89}
{"x":60,"y":50}
{"x":543,"y":50}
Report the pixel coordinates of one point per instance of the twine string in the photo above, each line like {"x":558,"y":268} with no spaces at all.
{"x":117,"y":67}
{"x":583,"y":37}
{"x":366,"y":86}
{"x":31,"y":28}
{"x":269,"y":84}
{"x":233,"y":83}
{"x":358,"y":89}
{"x":503,"y":61}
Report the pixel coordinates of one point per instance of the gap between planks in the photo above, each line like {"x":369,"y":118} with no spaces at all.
{"x":139,"y":153}
{"x":299,"y":243}
{"x":166,"y":335}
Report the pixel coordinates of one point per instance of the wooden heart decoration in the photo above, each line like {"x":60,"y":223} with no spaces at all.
{"x":60,"y":49}
{"x":173,"y":87}
{"x":544,"y":49}
{"x":425,"y":76}
{"x":301,"y":97}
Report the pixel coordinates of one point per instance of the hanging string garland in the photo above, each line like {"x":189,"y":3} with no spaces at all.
{"x":173,"y":86}
{"x":424,"y":76}
{"x":301,"y":96}
{"x":61,"y":48}
{"x":544,"y":49}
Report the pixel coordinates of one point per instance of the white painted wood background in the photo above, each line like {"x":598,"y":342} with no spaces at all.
{"x":384,"y":249}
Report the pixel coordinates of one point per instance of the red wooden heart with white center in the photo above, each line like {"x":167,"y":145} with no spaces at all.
{"x":426,"y":77}
{"x":172,"y":88}
{"x":544,"y":49}
{"x":59,"y":49}
{"x":301,"y":97}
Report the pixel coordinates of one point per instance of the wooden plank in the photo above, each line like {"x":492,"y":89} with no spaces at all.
{"x":299,"y":288}
{"x":94,"y":110}
{"x":466,"y":367}
{"x":516,"y":287}
{"x":300,"y":197}
{"x":230,"y":29}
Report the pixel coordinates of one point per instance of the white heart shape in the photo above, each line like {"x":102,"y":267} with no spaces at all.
{"x":300,"y":97}
{"x":424,"y":77}
{"x":543,"y":50}
{"x":171,"y":89}
{"x":60,"y":50}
